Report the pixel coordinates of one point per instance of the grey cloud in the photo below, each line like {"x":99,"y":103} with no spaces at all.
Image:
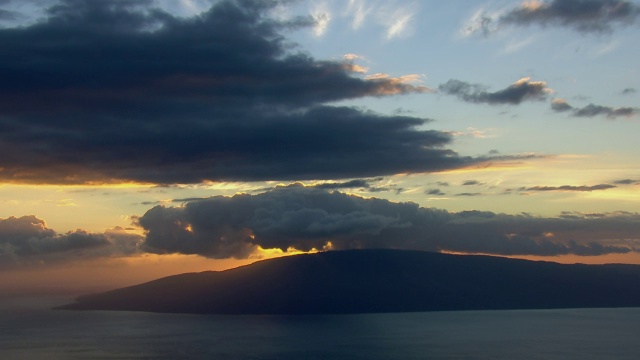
{"x":434,"y":192}
{"x":26,"y":240}
{"x":307,"y":218}
{"x":591,"y":110}
{"x":560,"y":105}
{"x":629,"y":91}
{"x":586,"y":16}
{"x":469,"y":194}
{"x":356,"y":183}
{"x":571,"y":188}
{"x":471,"y":182}
{"x":365,"y":185}
{"x":626,"y":182}
{"x":188,"y":199}
{"x":8,"y":15}
{"x":610,"y":112}
{"x":521,"y":90}
{"x":103,"y":91}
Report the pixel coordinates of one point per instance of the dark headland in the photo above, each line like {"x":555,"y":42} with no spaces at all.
{"x":365,"y":281}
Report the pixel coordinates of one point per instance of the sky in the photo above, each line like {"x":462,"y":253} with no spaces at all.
{"x":146,"y":138}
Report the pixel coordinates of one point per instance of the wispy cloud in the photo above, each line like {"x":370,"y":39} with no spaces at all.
{"x":474,"y":133}
{"x":481,"y":21}
{"x":358,"y":11}
{"x":321,"y":17}
{"x":517,"y":45}
{"x":397,"y":19}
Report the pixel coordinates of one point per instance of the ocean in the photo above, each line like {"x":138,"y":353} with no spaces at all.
{"x":30,"y":330}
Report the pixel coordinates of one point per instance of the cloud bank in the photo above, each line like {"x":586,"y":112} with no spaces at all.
{"x":307,"y":218}
{"x":304,"y":218}
{"x":27,"y":241}
{"x":107,"y":91}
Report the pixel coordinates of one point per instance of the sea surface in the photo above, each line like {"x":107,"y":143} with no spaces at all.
{"x":30,"y":330}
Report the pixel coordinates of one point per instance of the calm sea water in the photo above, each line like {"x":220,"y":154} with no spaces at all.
{"x":29,"y":330}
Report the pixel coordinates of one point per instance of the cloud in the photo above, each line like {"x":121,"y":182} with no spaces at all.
{"x":468,"y":194}
{"x":481,"y":21}
{"x":515,"y":46}
{"x":628,"y":91}
{"x":356,"y":183}
{"x":396,"y":19}
{"x":27,"y":240}
{"x":521,"y":90}
{"x":358,"y":11}
{"x":594,"y":110}
{"x":434,"y":192}
{"x":570,"y":188}
{"x":474,"y":133}
{"x":8,"y":15}
{"x":321,"y":18}
{"x":591,"y":110}
{"x":102,"y":91}
{"x":584,"y":16}
{"x":560,"y":105}
{"x":109,"y":91}
{"x":471,"y":182}
{"x":309,"y":218}
{"x":626,"y":182}
{"x":371,"y":185}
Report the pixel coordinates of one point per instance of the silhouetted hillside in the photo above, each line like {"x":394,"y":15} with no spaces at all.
{"x":361,"y":281}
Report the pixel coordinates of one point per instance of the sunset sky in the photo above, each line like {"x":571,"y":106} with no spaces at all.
{"x":145,"y":138}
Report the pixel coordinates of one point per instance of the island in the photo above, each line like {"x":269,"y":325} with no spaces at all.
{"x":376,"y":281}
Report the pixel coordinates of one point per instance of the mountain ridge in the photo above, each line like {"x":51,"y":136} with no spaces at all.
{"x":366,"y":281}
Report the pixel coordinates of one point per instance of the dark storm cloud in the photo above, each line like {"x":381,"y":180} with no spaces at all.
{"x":305,"y":218}
{"x":586,"y":16}
{"x":118,"y":90}
{"x":27,"y":240}
{"x":514,"y":94}
{"x":570,"y":188}
{"x":591,"y":110}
